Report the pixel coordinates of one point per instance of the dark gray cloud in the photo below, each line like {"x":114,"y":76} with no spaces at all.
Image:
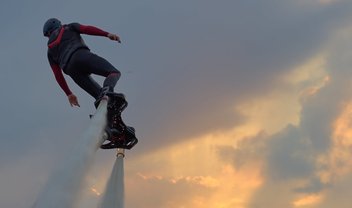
{"x":247,"y":150}
{"x":289,"y":156}
{"x":218,"y":58}
{"x":293,"y":152}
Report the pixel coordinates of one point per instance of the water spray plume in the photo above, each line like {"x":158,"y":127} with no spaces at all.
{"x":114,"y":195}
{"x":64,"y":185}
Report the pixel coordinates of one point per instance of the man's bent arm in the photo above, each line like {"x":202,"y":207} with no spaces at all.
{"x":60,"y":79}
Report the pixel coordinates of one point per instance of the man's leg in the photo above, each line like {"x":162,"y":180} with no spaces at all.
{"x":97,"y":65}
{"x":111,"y":80}
{"x":88,"y":84}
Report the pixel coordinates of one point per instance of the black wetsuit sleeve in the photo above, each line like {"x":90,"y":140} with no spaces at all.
{"x":74,"y":26}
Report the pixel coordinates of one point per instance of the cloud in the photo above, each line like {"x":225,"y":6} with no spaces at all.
{"x":214,"y":92}
{"x":292,"y":155}
{"x":207,"y":76}
{"x":191,"y":174}
{"x":175,"y":194}
{"x":246,"y":151}
{"x":339,"y":194}
{"x":305,"y":162}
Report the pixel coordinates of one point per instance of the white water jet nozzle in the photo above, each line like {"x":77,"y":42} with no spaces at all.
{"x":120,"y":152}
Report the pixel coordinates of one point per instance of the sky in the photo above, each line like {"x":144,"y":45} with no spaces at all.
{"x":236,"y":104}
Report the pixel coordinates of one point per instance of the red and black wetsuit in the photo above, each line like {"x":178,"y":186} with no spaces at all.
{"x":67,"y":52}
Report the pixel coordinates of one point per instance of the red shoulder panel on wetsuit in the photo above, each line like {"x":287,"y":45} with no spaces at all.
{"x":58,"y":39}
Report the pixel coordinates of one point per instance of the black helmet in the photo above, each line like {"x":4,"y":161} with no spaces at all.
{"x":51,"y":25}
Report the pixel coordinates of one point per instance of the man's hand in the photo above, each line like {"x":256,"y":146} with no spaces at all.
{"x":114,"y":37}
{"x":73,"y":100}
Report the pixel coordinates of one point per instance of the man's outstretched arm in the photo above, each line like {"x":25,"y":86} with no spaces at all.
{"x":92,"y":30}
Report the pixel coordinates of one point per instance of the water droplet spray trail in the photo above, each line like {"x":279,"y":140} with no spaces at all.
{"x":114,"y":195}
{"x":64,"y":185}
